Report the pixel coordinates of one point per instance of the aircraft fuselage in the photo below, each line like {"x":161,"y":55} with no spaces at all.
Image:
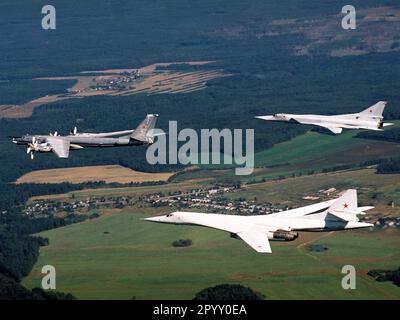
{"x":83,"y":141}
{"x":346,"y":121}
{"x":235,"y":224}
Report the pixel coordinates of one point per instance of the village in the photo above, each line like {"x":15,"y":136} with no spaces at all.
{"x":122,"y":82}
{"x":208,"y":200}
{"x":211,"y":200}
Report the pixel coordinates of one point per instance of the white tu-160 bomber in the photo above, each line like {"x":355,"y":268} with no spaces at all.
{"x":256,"y":231}
{"x":370,"y":119}
{"x":61,"y":145}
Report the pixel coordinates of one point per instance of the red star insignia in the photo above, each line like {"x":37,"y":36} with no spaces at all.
{"x":346,"y":205}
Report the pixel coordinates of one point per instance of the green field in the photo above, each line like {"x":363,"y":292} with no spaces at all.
{"x":309,"y":152}
{"x":325,"y":150}
{"x":124,"y":191}
{"x":135,"y":259}
{"x":375,"y":189}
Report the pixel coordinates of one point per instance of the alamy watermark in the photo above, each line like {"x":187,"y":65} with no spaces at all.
{"x":49,"y":280}
{"x":349,"y":20}
{"x":49,"y":20}
{"x":238,"y":147}
{"x":349,"y":280}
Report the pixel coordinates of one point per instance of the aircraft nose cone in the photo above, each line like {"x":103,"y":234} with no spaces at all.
{"x":265,"y":117}
{"x":153,"y":219}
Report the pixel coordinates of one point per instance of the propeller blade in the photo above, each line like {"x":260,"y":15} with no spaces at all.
{"x":32,"y":155}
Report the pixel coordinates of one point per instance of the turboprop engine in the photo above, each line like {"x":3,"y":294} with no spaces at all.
{"x":36,"y":146}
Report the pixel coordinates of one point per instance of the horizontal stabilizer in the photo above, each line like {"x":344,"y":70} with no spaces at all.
{"x":361,"y":210}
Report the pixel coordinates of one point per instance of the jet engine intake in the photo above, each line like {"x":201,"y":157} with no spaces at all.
{"x":234,"y":236}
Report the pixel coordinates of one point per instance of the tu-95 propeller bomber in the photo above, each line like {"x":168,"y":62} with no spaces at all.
{"x":61,"y":145}
{"x":256,"y":231}
{"x":370,"y":119}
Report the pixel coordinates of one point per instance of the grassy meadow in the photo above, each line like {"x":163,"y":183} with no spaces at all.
{"x":121,"y":256}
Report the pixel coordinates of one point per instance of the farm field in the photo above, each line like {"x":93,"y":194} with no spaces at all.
{"x":109,"y":174}
{"x":154,"y":81}
{"x":123,"y":191}
{"x":375,"y":189}
{"x":316,"y":150}
{"x":121,"y":256}
{"x":310,"y":152}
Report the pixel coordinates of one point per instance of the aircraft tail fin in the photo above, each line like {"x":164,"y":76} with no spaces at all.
{"x":374,"y":112}
{"x":141,"y":133}
{"x":346,"y":206}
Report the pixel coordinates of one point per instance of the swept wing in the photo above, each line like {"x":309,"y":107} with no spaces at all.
{"x":59,"y":146}
{"x":303,"y":211}
{"x":256,"y":239}
{"x":334,"y":129}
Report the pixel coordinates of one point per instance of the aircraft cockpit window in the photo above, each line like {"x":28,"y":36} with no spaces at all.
{"x":169,"y":215}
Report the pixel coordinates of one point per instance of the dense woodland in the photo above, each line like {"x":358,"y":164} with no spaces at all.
{"x":391,"y":165}
{"x":21,"y":91}
{"x":233,"y":292}
{"x":386,"y":275}
{"x":387,"y":135}
{"x":19,"y":251}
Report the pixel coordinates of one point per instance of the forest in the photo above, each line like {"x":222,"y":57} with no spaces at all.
{"x":387,"y":135}
{"x":19,"y":251}
{"x":391,"y":165}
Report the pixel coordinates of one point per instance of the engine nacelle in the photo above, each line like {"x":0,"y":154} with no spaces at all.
{"x":283,"y":235}
{"x":278,"y":235}
{"x":44,"y":147}
{"x":39,"y":147}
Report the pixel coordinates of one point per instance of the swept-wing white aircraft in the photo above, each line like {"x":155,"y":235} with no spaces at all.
{"x":256,"y":231}
{"x":371,"y":119}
